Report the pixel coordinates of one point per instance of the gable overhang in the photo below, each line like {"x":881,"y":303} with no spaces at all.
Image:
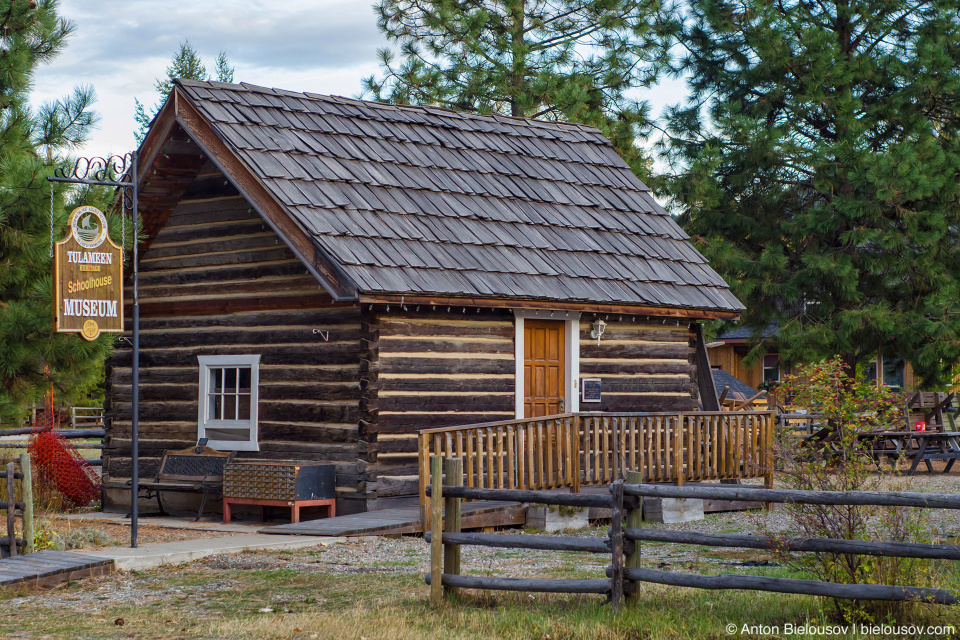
{"x":559,"y":305}
{"x":179,"y":111}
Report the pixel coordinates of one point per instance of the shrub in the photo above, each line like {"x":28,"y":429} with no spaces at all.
{"x":843,"y":463}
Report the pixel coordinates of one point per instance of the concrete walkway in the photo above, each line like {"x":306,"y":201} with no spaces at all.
{"x":148,"y":556}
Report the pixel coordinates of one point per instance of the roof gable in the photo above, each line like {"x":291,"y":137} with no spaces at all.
{"x":422,"y":201}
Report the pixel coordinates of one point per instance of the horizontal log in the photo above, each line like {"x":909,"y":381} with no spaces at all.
{"x":877,"y":498}
{"x":267,"y":335}
{"x":524,"y":584}
{"x":793,"y":585}
{"x":413,"y":422}
{"x":227,"y":273}
{"x":522,"y":495}
{"x":513,"y":541}
{"x":651,"y":403}
{"x":826,"y":545}
{"x":635,"y":332}
{"x":287,"y":285}
{"x":444,"y":366}
{"x":634,"y":350}
{"x":266,"y":391}
{"x":467,"y":403}
{"x":445,"y":329}
{"x":389,"y":487}
{"x":189,"y":374}
{"x":267,"y":253}
{"x":276,"y":411}
{"x":69,"y":434}
{"x":5,"y":542}
{"x":428,"y":384}
{"x":600,"y":369}
{"x":393,"y":347}
{"x":242,"y":224}
{"x":215,"y":306}
{"x":236,"y":243}
{"x":303,"y":354}
{"x":313,"y":317}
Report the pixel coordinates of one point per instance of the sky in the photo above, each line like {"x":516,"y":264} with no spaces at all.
{"x":121,"y":47}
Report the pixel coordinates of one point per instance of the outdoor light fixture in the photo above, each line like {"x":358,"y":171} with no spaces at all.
{"x":598,"y":328}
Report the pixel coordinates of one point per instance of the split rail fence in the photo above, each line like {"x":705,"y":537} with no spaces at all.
{"x":68,"y":434}
{"x":626,"y":533}
{"x":11,"y":542}
{"x":575,"y":449}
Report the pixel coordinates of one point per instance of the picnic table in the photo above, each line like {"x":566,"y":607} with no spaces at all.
{"x":918,"y":446}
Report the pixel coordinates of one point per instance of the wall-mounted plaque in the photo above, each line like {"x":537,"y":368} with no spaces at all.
{"x":590,"y":389}
{"x":87,"y":278}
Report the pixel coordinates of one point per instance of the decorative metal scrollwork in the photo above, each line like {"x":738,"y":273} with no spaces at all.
{"x":111,"y":168}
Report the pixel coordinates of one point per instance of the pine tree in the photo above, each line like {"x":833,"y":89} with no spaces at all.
{"x":185,"y":63}
{"x":32,"y":358}
{"x":571,"y":60}
{"x":823,"y":171}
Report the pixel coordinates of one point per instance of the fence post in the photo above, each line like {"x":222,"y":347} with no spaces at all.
{"x":11,"y":508}
{"x":451,"y":509}
{"x":26,"y":490}
{"x":436,"y":524}
{"x":616,"y":545}
{"x":768,"y":450}
{"x":634,"y":520}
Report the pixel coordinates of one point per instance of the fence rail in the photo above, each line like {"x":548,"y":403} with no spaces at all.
{"x":575,"y":449}
{"x":626,"y":534}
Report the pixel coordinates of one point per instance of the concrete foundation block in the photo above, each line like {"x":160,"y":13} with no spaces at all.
{"x":541,"y":517}
{"x":672,"y":510}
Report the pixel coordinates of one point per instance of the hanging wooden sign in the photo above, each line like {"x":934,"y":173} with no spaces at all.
{"x":88,"y":278}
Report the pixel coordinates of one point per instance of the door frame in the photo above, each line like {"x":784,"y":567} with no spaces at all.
{"x":571,"y":355}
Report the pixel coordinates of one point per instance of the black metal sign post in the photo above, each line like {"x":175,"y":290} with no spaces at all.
{"x":101,"y":172}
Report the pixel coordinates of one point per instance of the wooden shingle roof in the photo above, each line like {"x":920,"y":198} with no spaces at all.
{"x":423,"y":201}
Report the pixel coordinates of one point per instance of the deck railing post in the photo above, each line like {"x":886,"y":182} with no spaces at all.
{"x":423,"y":464}
{"x":451,"y":512}
{"x":634,"y":520}
{"x":616,"y":545}
{"x":678,"y":440}
{"x":26,"y":490}
{"x":436,"y":526}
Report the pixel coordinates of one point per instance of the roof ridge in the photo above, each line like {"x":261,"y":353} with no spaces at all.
{"x":433,"y":109}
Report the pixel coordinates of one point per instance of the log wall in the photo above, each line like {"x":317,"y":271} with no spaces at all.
{"x":644,"y":365}
{"x":436,"y":368}
{"x":216,"y":281}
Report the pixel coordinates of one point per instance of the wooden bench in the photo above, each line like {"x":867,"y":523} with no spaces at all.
{"x":194,"y":469}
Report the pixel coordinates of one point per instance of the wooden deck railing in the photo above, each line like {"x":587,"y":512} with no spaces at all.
{"x":574,"y":449}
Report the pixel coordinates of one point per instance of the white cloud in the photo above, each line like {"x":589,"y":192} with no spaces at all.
{"x":121,"y":47}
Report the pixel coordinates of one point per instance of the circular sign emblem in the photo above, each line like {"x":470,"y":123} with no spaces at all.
{"x":90,"y":330}
{"x":89,"y":226}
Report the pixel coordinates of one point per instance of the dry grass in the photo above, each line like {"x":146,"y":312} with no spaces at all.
{"x":214,"y":599}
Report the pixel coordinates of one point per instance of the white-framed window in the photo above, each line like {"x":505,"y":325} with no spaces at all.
{"x":228,"y":402}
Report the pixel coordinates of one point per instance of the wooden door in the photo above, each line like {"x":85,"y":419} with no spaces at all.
{"x":543,"y":374}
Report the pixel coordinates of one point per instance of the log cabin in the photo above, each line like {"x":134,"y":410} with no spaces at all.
{"x":320,"y":277}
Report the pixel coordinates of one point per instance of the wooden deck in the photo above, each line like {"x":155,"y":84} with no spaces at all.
{"x":476,"y":515}
{"x":49,"y":567}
